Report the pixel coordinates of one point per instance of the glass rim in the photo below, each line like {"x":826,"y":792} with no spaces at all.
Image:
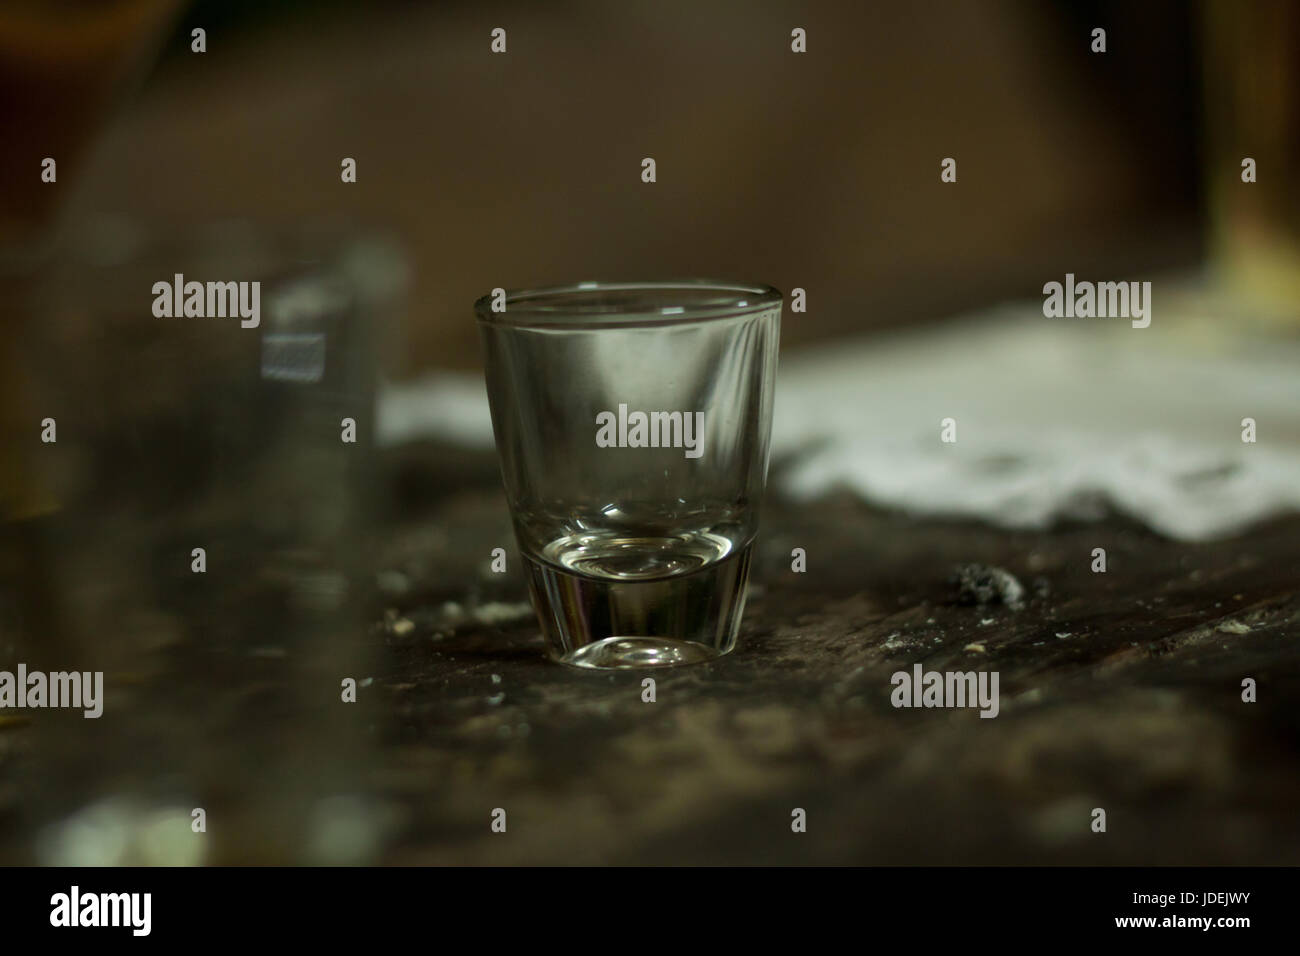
{"x":562,"y":306}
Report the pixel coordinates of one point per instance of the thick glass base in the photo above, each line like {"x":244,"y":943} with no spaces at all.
{"x":625,"y":619}
{"x":638,"y":652}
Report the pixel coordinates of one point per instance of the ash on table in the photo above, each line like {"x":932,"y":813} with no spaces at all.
{"x":984,"y":584}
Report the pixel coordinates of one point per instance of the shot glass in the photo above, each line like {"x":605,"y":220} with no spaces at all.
{"x":633,"y":424}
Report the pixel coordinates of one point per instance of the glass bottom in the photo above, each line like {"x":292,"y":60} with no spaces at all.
{"x":636,"y":652}
{"x":626,"y":616}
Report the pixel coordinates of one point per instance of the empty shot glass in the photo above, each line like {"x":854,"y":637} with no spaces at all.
{"x":633,"y":422}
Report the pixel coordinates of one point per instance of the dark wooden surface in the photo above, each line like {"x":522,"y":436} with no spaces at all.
{"x":1118,"y":690}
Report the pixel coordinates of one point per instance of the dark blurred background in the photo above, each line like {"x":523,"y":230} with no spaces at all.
{"x":818,"y":171}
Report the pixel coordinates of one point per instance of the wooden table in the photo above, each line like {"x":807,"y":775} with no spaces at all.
{"x":1120,"y":691}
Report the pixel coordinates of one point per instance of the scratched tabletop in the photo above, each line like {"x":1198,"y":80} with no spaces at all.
{"x":1119,"y":691}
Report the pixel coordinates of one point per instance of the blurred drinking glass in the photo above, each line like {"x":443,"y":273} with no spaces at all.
{"x":1252,"y":84}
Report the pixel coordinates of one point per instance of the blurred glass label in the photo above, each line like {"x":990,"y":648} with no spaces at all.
{"x":293,"y":357}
